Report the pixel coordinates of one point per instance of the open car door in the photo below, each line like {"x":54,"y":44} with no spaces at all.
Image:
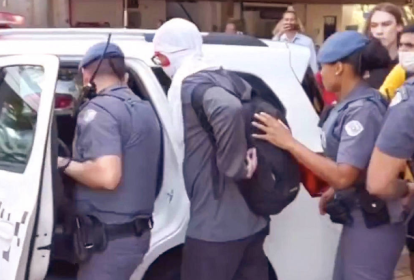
{"x":27,"y":84}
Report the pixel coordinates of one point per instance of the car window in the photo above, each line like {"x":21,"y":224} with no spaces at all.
{"x":20,"y":92}
{"x":311,"y":89}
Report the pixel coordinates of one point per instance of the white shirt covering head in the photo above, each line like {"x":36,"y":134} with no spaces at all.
{"x":181,"y":42}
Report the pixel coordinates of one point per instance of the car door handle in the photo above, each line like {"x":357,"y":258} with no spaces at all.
{"x":6,"y":235}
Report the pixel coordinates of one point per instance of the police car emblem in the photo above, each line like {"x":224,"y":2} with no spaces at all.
{"x":397,"y":99}
{"x":89,"y":115}
{"x":353,"y":128}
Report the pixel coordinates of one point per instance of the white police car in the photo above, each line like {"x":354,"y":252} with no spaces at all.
{"x":301,"y":244}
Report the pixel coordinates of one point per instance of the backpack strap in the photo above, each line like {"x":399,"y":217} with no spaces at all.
{"x":197,"y":103}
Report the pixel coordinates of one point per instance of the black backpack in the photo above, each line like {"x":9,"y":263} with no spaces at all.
{"x":276,"y":181}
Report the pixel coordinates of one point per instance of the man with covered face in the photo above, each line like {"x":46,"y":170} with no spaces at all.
{"x":224,"y":238}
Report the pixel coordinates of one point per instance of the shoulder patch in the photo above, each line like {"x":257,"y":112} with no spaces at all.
{"x":353,"y":128}
{"x":397,"y":99}
{"x":89,"y":115}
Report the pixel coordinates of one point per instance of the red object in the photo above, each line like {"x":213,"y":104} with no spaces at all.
{"x":7,"y":20}
{"x":328,"y":97}
{"x":161,"y":60}
{"x":312,"y":183}
{"x":63,"y":101}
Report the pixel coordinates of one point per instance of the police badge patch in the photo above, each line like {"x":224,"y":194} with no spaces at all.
{"x":353,"y":128}
{"x":397,"y":99}
{"x":89,"y":115}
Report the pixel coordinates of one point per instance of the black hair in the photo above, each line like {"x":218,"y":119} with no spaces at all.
{"x":408,"y":29}
{"x":373,"y":56}
{"x":110,"y":66}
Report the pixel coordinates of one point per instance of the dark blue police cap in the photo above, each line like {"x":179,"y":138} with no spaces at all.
{"x":96,"y":51}
{"x":341,"y":45}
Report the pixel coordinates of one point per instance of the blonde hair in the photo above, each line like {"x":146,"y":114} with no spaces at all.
{"x":279,"y":25}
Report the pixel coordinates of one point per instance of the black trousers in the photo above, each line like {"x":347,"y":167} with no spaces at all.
{"x":234,"y":260}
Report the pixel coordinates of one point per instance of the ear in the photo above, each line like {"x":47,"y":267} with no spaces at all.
{"x":126,"y":78}
{"x":400,"y":28}
{"x":339,"y":68}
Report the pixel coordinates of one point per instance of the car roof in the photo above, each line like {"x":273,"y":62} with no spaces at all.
{"x":136,"y":43}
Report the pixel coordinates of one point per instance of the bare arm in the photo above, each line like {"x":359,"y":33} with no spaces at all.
{"x":99,"y":146}
{"x":103,"y":173}
{"x":394,"y":146}
{"x":353,"y":153}
{"x":383,"y":182}
{"x":339,"y":176}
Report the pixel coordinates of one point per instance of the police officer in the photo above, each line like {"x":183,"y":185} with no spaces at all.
{"x":116,"y":153}
{"x":395,"y":144}
{"x":370,"y":243}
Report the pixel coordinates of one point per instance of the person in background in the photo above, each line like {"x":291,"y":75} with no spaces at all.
{"x":290,"y":34}
{"x":279,"y":26}
{"x":234,"y":26}
{"x":395,"y":144}
{"x":371,"y":241}
{"x":384,"y":23}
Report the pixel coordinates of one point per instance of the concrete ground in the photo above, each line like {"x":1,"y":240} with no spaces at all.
{"x":403,"y":270}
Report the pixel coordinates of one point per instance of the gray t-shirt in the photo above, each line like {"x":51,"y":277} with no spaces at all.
{"x":397,"y":135}
{"x":128,"y":129}
{"x":227,"y":218}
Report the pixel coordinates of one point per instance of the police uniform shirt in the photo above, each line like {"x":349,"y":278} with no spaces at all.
{"x":357,"y":128}
{"x":107,"y":127}
{"x":397,"y":135}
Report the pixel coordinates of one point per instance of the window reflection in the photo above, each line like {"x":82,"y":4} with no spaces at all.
{"x":20,"y":90}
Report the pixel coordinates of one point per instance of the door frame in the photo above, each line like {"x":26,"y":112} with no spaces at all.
{"x":20,"y":202}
